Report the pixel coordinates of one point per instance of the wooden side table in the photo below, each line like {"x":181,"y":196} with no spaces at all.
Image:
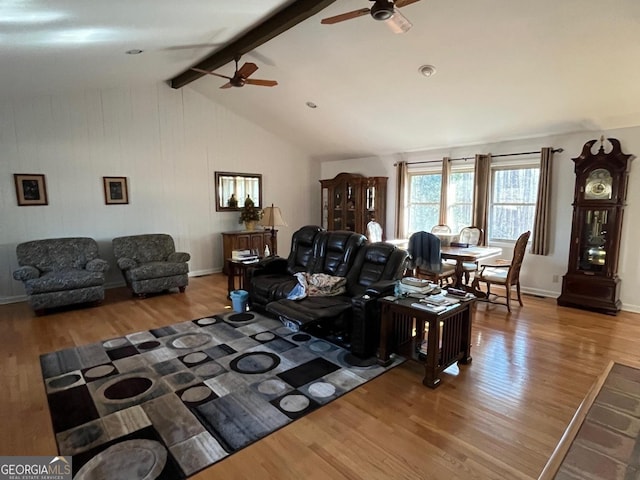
{"x":448,"y":333}
{"x":237,"y":275}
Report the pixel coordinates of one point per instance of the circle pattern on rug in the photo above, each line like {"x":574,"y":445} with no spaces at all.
{"x":148,"y":345}
{"x":133,"y":459}
{"x":255,"y":362}
{"x":99,"y":371}
{"x":319,"y":346}
{"x":190,"y":340}
{"x":65,"y":381}
{"x":265,"y":336}
{"x":208,"y":369}
{"x":206,"y":321}
{"x":195,"y":357}
{"x":127,"y":388}
{"x":301,"y":337}
{"x":116,"y":342}
{"x":321,"y":389}
{"x":272,"y":387}
{"x":240,"y":317}
{"x":196,"y":394}
{"x":294,"y":403}
{"x":85,"y":435}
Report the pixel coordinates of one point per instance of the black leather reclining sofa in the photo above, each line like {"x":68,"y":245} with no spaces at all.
{"x":353,"y":318}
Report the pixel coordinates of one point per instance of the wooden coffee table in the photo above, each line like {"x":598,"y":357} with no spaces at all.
{"x":402,"y":330}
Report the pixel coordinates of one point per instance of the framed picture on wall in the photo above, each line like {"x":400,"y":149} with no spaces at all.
{"x":115,"y":190}
{"x":31,"y":189}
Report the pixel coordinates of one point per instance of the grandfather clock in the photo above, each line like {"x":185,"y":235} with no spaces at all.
{"x":591,"y":281}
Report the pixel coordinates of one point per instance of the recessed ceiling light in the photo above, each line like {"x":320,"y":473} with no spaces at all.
{"x":427,"y":70}
{"x":134,"y":51}
{"x":311,"y":105}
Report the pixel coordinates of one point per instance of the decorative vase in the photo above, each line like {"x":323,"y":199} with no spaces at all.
{"x":250,"y":225}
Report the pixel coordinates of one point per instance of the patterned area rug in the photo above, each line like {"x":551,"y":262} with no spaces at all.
{"x":168,"y":402}
{"x":603,"y":439}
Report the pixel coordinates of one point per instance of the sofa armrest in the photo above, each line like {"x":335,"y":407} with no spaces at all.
{"x":125,"y":263}
{"x":26,"y":273}
{"x":97,"y":265}
{"x":365,"y":325}
{"x":382,"y":288}
{"x":270,"y":266}
{"x":179,"y":257}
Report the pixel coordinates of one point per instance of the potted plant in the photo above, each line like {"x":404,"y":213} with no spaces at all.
{"x":250,"y":214}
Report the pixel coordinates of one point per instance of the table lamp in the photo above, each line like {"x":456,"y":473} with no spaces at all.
{"x":271,"y":218}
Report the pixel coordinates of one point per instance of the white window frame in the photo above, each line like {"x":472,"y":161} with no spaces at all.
{"x":509,"y":164}
{"x":434,"y":167}
{"x":460,"y":166}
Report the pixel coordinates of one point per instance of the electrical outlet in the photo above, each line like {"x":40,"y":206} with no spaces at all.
{"x":556,"y":279}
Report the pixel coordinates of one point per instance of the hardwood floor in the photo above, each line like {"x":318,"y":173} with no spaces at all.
{"x":499,"y":417}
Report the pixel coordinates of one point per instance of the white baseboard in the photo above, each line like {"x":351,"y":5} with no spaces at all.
{"x":13,"y":299}
{"x":207,"y":271}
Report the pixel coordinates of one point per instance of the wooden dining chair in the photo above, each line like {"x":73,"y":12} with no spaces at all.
{"x":471,"y":236}
{"x":425,"y":258}
{"x":441,"y":228}
{"x":506,"y":275}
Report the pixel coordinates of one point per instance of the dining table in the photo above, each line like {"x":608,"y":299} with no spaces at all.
{"x":461,"y":254}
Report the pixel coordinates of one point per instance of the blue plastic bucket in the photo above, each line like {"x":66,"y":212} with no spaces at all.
{"x":239,"y":299}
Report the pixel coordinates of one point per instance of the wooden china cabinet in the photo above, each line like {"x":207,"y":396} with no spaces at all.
{"x":591,"y":281}
{"x":350,"y":201}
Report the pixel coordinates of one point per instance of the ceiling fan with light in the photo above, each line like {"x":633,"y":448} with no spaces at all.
{"x":383,"y":10}
{"x":241,"y":76}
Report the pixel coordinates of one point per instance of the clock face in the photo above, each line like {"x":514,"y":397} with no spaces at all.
{"x":598,"y":185}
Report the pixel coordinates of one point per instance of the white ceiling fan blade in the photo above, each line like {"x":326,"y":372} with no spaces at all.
{"x":398,"y":23}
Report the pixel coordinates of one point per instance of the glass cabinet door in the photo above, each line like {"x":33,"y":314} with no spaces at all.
{"x":350,"y":204}
{"x":593,"y":240}
{"x":325,"y":207}
{"x":338,"y":206}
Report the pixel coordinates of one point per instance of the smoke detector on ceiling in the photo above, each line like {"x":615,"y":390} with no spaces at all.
{"x":427,"y":70}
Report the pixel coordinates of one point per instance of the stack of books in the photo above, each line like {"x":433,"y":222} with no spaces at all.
{"x":440,"y":299}
{"x":244,"y":256}
{"x":429,"y":307}
{"x":414,"y":285}
{"x":460,"y":294}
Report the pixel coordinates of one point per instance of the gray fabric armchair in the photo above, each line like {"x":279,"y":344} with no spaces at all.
{"x":61,"y":271}
{"x":150,"y":263}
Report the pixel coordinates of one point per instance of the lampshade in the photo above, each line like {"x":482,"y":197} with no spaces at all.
{"x":272,"y":217}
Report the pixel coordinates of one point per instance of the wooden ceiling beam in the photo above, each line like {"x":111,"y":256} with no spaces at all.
{"x":279,"y":22}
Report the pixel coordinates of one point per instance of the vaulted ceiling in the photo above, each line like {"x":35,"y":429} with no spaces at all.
{"x":504,"y":69}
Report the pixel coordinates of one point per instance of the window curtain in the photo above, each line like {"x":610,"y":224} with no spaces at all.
{"x":401,"y":187}
{"x":540,"y":240}
{"x":444,"y":192}
{"x":482,"y":177}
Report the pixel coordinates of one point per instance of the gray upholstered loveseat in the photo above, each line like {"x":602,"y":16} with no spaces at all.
{"x":61,"y":271}
{"x":150,"y":263}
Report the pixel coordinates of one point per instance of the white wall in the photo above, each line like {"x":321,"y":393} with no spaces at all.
{"x":168,"y":143}
{"x":538,"y":271}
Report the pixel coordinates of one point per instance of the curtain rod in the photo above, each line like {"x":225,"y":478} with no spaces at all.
{"x":555,"y":150}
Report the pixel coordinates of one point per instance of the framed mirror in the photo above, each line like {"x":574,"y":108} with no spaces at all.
{"x":232,"y":189}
